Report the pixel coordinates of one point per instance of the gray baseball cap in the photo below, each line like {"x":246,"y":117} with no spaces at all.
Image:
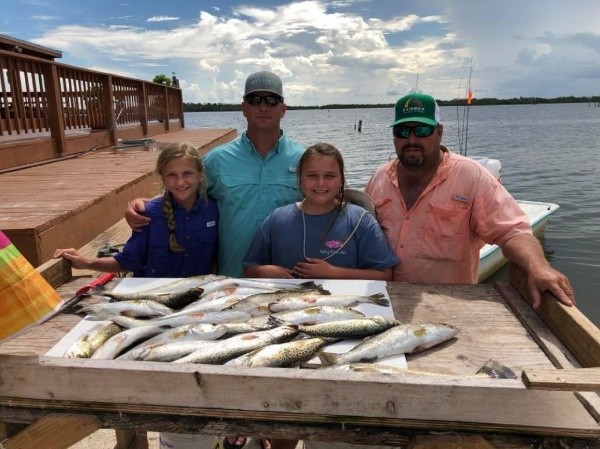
{"x":263,"y":82}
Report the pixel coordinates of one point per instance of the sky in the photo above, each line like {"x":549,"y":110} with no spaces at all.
{"x":328,"y":52}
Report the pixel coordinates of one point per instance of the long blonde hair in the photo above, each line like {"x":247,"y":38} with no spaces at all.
{"x":173,"y":151}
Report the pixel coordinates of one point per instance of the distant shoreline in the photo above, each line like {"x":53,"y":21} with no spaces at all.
{"x":219,"y":107}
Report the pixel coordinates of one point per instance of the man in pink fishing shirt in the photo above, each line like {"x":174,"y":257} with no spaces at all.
{"x":437,"y":209}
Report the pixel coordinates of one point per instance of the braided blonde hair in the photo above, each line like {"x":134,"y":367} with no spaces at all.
{"x":172,"y":151}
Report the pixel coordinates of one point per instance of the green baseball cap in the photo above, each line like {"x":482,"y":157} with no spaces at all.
{"x":420,"y":108}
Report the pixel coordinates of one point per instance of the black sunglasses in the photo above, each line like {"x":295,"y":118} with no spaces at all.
{"x":256,"y":100}
{"x":402,"y":132}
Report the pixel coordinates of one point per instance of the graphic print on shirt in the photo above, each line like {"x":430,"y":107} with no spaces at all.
{"x":332,"y":247}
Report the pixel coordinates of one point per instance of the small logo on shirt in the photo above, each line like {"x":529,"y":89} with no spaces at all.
{"x":293,"y":169}
{"x":211,"y":224}
{"x":461,"y":198}
{"x":333,"y":244}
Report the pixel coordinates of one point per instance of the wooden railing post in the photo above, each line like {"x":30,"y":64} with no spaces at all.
{"x":143,"y":104}
{"x":109,"y":110}
{"x":181,"y":116}
{"x":56,"y":118}
{"x":166,"y":109}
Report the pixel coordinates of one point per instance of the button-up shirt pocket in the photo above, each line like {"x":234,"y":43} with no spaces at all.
{"x":446,"y":233}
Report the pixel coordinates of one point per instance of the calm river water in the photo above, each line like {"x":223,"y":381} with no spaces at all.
{"x":548,"y":153}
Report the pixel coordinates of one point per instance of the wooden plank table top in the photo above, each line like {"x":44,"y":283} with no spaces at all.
{"x":318,"y":404}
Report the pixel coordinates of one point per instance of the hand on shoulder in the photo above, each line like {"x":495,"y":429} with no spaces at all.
{"x":132,"y":214}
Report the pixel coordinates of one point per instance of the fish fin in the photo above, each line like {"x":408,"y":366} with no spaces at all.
{"x":326,"y":358}
{"x":254,"y":351}
{"x":322,"y":290}
{"x":379,"y":299}
{"x":108,"y":297}
{"x":371,"y":359}
{"x":329,"y":340}
{"x":308,"y":285}
{"x":303,"y":336}
{"x":260,"y":310}
{"x":496,"y":370}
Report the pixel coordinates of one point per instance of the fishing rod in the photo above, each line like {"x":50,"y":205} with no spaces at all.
{"x":463,"y":125}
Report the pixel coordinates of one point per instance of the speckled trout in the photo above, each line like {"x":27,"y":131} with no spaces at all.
{"x":490,"y":368}
{"x":258,"y":304}
{"x":135,"y":308}
{"x":175,"y":300}
{"x":116,"y":344}
{"x":400,"y":339}
{"x":354,"y":328}
{"x":87,"y":344}
{"x":296,"y":302}
{"x":223,"y":350}
{"x":280,"y":355}
{"x":312,"y":315}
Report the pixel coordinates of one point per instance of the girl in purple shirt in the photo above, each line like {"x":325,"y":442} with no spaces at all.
{"x":181,"y":240}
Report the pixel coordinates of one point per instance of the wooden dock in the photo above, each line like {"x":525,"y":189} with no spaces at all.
{"x":67,"y":203}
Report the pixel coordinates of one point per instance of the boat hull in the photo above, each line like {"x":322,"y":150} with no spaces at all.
{"x":491,"y":258}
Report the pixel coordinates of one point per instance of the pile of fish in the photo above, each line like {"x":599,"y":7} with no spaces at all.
{"x":243,"y":322}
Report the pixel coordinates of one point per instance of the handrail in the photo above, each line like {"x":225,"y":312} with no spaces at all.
{"x":44,"y":98}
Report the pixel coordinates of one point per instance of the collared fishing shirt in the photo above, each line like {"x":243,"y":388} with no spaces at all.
{"x":247,"y":188}
{"x":439,"y":238}
{"x":147,"y":253}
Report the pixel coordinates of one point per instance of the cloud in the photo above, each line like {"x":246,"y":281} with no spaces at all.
{"x":43,"y":17}
{"x":350,"y":51}
{"x":162,"y":19}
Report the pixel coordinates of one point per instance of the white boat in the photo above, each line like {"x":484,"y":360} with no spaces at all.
{"x":491,"y":257}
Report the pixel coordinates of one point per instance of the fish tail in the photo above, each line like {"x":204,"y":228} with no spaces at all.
{"x":273,"y":321}
{"x":497,"y":370}
{"x":379,"y":299}
{"x":326,"y":358}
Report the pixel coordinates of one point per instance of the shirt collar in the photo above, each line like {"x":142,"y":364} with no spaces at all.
{"x":200,"y":200}
{"x":250,"y":145}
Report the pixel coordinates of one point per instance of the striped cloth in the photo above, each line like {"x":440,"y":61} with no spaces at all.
{"x":25,"y":296}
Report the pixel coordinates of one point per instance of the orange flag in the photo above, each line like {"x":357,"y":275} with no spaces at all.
{"x":469,"y":97}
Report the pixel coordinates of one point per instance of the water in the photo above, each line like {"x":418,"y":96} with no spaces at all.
{"x":548,"y":153}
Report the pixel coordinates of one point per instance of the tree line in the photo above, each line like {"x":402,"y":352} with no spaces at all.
{"x":220,"y":107}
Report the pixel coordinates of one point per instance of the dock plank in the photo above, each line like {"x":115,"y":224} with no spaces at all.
{"x":581,"y":379}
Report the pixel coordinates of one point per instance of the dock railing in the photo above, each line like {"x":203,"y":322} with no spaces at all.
{"x":50,"y":110}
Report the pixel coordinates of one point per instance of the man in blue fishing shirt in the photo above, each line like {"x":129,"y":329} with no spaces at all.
{"x":250,"y":176}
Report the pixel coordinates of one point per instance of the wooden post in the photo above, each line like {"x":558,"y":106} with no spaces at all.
{"x":181,"y":116}
{"x":143,"y":105}
{"x":166,"y":109}
{"x":131,"y":439}
{"x":56,"y":118}
{"x":360,"y":126}
{"x":109,"y":110}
